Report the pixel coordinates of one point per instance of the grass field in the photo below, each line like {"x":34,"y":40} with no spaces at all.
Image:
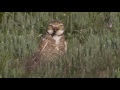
{"x":93,"y":44}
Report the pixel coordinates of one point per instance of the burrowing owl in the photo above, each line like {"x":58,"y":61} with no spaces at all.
{"x":52,"y":45}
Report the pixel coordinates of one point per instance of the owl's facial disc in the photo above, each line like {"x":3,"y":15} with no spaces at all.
{"x":55,"y":32}
{"x":58,"y":29}
{"x":55,"y":29}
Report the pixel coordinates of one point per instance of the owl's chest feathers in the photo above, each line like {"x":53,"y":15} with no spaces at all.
{"x":56,"y":42}
{"x":57,"y":39}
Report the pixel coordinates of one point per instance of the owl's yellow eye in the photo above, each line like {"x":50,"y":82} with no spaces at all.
{"x":61,"y":27}
{"x":50,"y":27}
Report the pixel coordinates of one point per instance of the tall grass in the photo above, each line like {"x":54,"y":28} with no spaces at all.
{"x":93,"y":44}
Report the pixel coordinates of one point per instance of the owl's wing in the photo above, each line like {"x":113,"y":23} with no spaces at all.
{"x":36,"y":56}
{"x":40,"y":47}
{"x":42,"y":44}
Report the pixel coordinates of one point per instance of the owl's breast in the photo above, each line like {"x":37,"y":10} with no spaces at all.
{"x":53,"y":50}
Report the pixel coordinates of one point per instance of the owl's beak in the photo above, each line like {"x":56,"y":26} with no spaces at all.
{"x":55,"y":29}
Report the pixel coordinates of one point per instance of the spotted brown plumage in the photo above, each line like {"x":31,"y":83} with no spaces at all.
{"x":52,"y":45}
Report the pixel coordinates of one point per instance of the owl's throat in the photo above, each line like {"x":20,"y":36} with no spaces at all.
{"x":57,"y":39}
{"x":54,"y":34}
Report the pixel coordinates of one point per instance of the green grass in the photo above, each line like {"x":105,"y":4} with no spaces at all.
{"x":93,"y":44}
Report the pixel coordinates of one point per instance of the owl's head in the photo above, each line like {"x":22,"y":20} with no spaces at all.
{"x":55,"y":28}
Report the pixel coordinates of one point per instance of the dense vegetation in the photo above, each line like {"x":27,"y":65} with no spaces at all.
{"x":93,"y":49}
